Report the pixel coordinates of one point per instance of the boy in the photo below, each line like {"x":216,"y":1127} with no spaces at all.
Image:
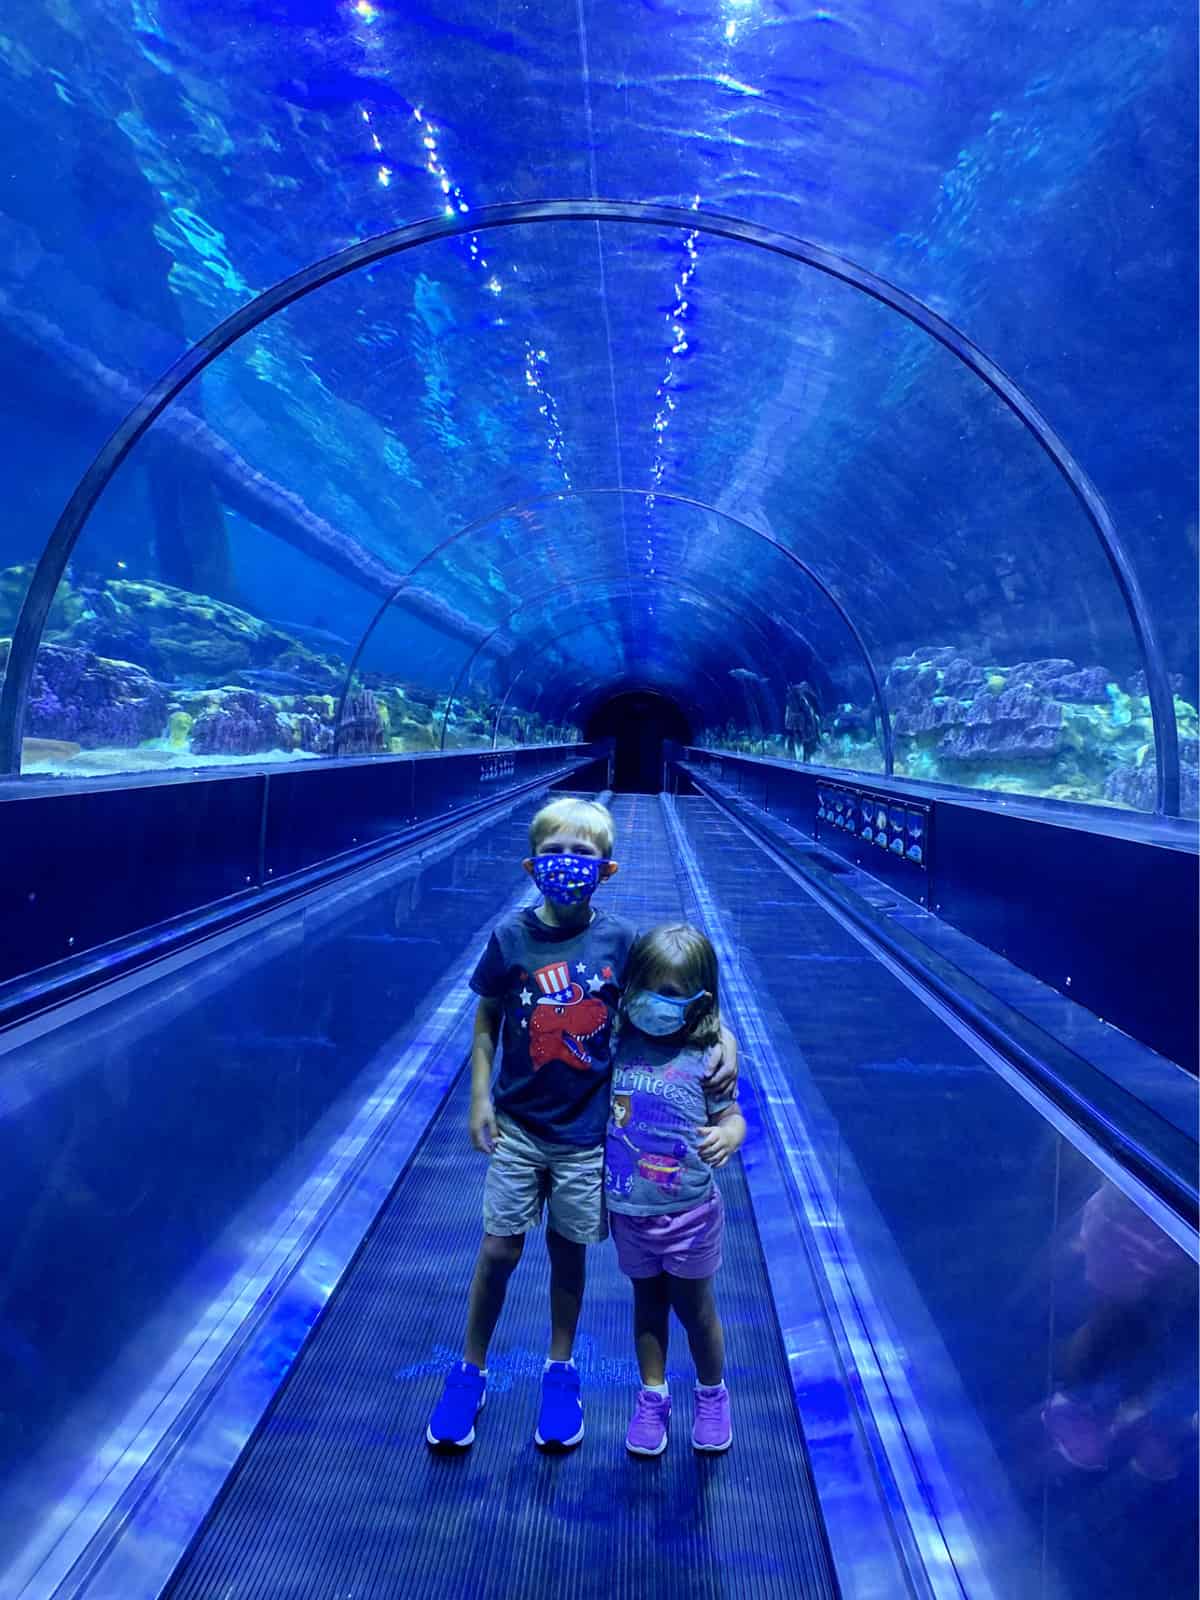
{"x":551,"y":975}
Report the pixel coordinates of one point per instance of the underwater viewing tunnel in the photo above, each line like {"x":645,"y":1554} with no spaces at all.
{"x":777,"y":424}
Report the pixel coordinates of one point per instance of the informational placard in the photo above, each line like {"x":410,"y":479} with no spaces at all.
{"x":872,"y":818}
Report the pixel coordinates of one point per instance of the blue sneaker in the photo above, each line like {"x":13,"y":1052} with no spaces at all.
{"x":452,"y":1425}
{"x":560,"y":1424}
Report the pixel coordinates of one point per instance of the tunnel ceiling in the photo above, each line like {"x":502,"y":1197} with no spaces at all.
{"x":549,"y":388}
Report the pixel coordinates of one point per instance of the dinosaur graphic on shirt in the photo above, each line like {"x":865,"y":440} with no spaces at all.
{"x":567,"y":1025}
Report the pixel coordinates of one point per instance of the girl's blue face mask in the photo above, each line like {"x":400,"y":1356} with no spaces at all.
{"x":568,"y":880}
{"x":660,"y":1014}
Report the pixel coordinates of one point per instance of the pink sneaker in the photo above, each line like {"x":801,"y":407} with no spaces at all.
{"x":647,"y":1435}
{"x":1077,"y":1433}
{"x":713,"y":1428}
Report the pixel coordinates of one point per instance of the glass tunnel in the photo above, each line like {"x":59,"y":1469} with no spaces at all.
{"x":774,"y":424}
{"x":449,"y":519}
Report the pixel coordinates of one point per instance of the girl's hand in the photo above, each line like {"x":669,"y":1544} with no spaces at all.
{"x":485,"y":1131}
{"x":717,"y":1144}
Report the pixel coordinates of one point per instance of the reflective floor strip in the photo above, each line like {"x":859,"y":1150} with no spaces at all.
{"x":912,"y":1475}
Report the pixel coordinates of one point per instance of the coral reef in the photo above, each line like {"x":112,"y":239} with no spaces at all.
{"x":158,"y":676}
{"x":241,"y":724}
{"x":64,"y":611}
{"x":1136,"y":786}
{"x":1046,"y":727}
{"x":183,"y":637}
{"x":90,"y":700}
{"x":365,"y":724}
{"x":180,"y":637}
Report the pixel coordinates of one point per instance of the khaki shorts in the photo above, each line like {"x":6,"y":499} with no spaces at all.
{"x":525,"y":1172}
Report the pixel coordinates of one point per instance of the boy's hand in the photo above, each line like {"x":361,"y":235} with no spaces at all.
{"x":720,"y":1066}
{"x":717,"y":1144}
{"x":485,"y":1132}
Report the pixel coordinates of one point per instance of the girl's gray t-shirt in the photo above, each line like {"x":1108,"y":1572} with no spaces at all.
{"x":657,"y":1107}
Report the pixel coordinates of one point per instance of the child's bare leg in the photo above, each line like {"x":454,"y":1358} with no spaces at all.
{"x":696,"y":1307}
{"x":651,"y":1323}
{"x":498,"y":1255}
{"x":567,"y":1274}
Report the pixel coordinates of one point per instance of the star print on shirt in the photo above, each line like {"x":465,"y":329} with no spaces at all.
{"x":595,"y":983}
{"x":526,"y":998}
{"x":581,"y":967}
{"x":606,"y":972}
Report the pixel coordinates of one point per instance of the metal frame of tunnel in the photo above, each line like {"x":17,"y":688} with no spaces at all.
{"x":627,"y":685}
{"x":477,"y":526}
{"x":554,"y":496}
{"x":51,"y":565}
{"x":590,"y":586}
{"x":639,"y":687}
{"x":615,"y":579}
{"x":618,"y":688}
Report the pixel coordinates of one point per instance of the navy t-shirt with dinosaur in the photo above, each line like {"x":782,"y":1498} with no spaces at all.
{"x":559,"y":988}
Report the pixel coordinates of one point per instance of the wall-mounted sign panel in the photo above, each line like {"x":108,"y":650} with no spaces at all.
{"x":883,"y":833}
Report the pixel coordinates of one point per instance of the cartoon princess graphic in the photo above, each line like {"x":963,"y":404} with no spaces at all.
{"x":643,"y":1141}
{"x":620,"y":1153}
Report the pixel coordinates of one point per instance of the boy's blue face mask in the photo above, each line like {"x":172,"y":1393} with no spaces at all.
{"x":568,"y":880}
{"x":660,"y":1014}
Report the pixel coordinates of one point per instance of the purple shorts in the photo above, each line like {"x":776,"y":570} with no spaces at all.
{"x":686,"y":1244}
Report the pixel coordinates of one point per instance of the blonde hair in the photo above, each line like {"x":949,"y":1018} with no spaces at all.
{"x":677,"y":951}
{"x":588,"y":818}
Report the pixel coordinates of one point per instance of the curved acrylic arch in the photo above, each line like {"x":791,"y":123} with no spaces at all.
{"x":551,"y":496}
{"x":634,"y":580}
{"x":610,"y":581}
{"x":636,"y":684}
{"x":611,"y":587}
{"x":551,"y":644}
{"x":607,"y":586}
{"x":513,"y":682}
{"x":52,"y":563}
{"x":629,"y":684}
{"x":528,"y":661}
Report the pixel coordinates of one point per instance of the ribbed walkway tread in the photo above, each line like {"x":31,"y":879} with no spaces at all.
{"x":338,"y":1498}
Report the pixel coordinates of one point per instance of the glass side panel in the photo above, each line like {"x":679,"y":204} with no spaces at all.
{"x":396,"y":701}
{"x":185,"y":634}
{"x":157,"y":1150}
{"x":1040,"y":1329}
{"x":1120,"y":1420}
{"x":932,"y":513}
{"x":700,"y":629}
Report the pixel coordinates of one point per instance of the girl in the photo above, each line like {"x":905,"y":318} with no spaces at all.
{"x":665,"y":1134}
